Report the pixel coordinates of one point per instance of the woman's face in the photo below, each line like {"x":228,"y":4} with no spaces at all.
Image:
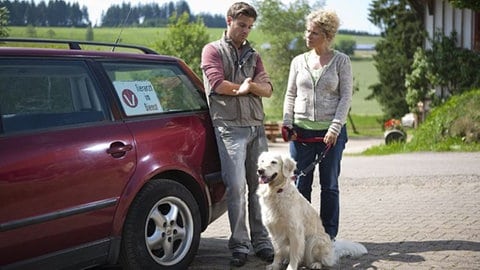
{"x":315,"y":37}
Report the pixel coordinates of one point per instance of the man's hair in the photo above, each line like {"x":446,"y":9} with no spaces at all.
{"x":242,"y":8}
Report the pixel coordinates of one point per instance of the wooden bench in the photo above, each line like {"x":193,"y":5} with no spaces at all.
{"x":272,"y":131}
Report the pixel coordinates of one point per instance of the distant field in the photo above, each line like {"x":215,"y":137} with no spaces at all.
{"x":362,"y":64}
{"x":365,"y":74}
{"x":132,"y":35}
{"x":143,"y":36}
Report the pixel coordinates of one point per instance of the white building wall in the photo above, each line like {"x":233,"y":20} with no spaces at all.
{"x":438,"y":14}
{"x":467,"y":29}
{"x":458,"y":23}
{"x":430,"y":29}
{"x":448,"y":21}
{"x":445,"y":18}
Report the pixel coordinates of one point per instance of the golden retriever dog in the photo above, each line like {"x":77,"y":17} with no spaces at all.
{"x":294,"y":226}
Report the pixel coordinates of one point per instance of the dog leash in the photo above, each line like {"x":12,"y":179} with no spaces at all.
{"x":320,"y":157}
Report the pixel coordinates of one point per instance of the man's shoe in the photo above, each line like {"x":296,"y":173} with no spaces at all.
{"x":238,"y":259}
{"x":265,"y":254}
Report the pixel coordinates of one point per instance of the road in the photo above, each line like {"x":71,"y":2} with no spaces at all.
{"x":411,"y":211}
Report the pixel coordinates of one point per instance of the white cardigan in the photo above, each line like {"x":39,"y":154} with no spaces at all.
{"x":328,"y":101}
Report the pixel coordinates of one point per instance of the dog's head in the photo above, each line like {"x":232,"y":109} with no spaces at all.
{"x":275,"y":169}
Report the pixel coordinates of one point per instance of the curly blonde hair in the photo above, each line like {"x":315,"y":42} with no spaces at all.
{"x":327,"y":20}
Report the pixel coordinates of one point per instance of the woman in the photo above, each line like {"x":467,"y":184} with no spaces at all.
{"x":317,"y":100}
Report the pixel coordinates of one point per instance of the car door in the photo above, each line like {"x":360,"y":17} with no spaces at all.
{"x":63,"y":161}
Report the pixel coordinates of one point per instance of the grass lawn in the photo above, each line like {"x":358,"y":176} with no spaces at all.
{"x":365,"y":74}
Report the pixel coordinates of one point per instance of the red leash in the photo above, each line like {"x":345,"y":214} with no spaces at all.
{"x":289,"y":134}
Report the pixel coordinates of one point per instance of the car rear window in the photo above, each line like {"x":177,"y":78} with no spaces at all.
{"x":150,"y":88}
{"x":40,"y":93}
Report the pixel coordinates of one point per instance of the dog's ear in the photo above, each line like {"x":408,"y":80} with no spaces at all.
{"x":288,"y":166}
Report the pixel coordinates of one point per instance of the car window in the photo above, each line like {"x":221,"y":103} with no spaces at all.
{"x":37,"y":94}
{"x":145,"y":88}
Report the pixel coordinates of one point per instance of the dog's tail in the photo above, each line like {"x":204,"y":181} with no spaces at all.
{"x":345,"y":248}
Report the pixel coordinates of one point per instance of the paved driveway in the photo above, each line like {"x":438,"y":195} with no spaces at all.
{"x":411,"y":211}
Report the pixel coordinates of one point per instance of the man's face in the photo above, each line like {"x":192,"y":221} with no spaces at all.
{"x":238,"y":29}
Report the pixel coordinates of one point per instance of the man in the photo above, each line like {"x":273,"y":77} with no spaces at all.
{"x":235,"y":82}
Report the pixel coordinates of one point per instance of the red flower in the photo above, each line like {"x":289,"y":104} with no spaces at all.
{"x":393,"y":124}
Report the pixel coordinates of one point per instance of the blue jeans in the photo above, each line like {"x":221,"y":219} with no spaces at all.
{"x":329,"y":170}
{"x":239,"y":149}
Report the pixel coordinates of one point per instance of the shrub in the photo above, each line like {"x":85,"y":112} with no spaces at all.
{"x":3,"y":22}
{"x":457,"y":121}
{"x":446,"y":66}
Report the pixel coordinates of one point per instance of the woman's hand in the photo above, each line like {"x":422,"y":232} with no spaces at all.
{"x":330,"y":138}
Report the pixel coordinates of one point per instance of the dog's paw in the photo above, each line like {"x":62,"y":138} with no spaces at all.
{"x":316,"y":265}
{"x":273,"y":266}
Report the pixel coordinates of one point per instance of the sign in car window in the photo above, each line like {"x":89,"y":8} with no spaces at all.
{"x":138,"y":97}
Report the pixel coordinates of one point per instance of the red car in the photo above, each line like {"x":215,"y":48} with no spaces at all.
{"x":106,"y":157}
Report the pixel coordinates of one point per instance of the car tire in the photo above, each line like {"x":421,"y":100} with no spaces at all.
{"x":162,"y":228}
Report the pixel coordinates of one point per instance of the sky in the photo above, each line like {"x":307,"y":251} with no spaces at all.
{"x":353,"y":13}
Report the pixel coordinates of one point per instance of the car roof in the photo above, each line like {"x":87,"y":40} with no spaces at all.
{"x":29,"y":47}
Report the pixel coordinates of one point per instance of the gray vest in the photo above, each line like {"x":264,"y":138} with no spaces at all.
{"x":244,"y":110}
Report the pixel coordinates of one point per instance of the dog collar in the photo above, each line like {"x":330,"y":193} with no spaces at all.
{"x":293,"y":177}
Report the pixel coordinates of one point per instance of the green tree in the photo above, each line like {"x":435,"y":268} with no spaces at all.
{"x":57,"y":13}
{"x":284,"y":26}
{"x":3,"y":22}
{"x":417,"y":82}
{"x":89,"y":33}
{"x":347,"y":46}
{"x":51,"y":33}
{"x":184,"y":39}
{"x":402,"y":34}
{"x":31,"y":31}
{"x":470,"y":4}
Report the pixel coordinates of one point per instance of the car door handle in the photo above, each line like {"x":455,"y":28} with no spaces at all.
{"x":119,"y":149}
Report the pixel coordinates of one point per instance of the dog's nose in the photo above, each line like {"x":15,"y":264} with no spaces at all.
{"x":260,"y":171}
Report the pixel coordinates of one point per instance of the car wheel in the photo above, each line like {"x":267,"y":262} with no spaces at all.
{"x":162,"y":228}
